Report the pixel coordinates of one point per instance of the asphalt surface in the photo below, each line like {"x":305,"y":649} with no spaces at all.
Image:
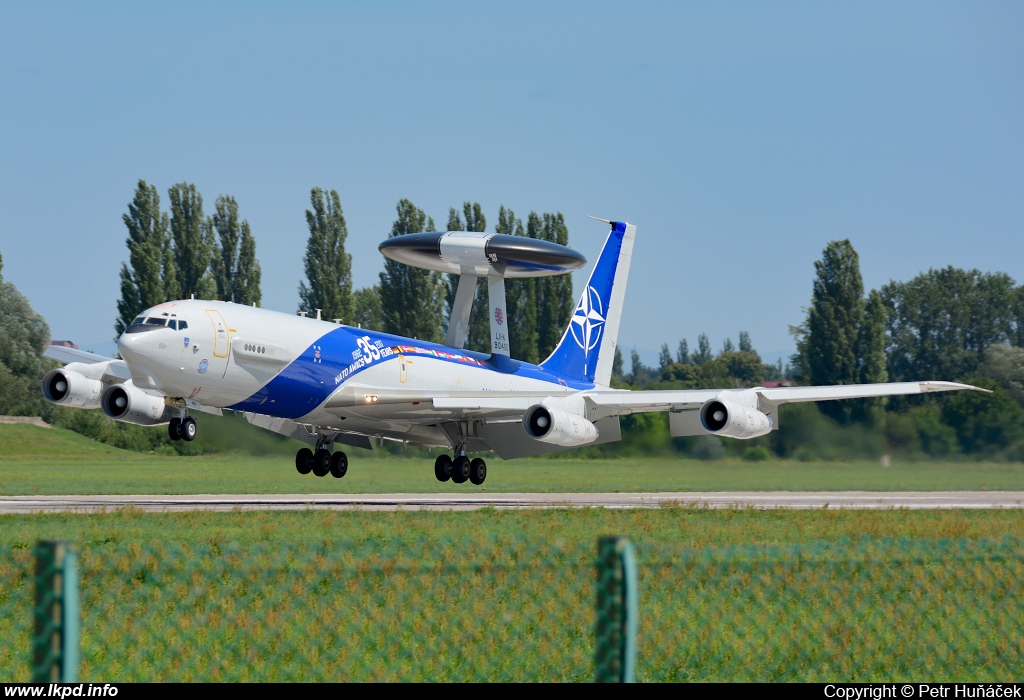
{"x":473,"y":500}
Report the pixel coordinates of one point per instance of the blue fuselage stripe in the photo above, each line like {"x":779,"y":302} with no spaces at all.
{"x":341,"y":354}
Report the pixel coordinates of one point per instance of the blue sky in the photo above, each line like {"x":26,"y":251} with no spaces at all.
{"x":739,"y":137}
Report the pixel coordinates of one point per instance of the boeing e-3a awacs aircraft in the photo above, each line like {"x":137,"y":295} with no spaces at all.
{"x":328,"y":384}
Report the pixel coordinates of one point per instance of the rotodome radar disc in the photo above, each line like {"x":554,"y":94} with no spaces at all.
{"x":462,"y":252}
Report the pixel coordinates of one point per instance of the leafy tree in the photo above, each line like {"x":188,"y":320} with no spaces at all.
{"x":149,"y":277}
{"x":1017,"y":337}
{"x":412,"y":298}
{"x":368,"y":310}
{"x":479,"y":337}
{"x":520,"y":299}
{"x":871,"y":359}
{"x":745,"y":344}
{"x":664,"y":357}
{"x":328,"y":266}
{"x":235,"y":269}
{"x":703,"y":353}
{"x":1005,"y":364}
{"x":683,"y":352}
{"x":983,"y":423}
{"x":640,"y":373}
{"x":827,"y":342}
{"x":554,"y":294}
{"x":193,"y":242}
{"x":727,"y":346}
{"x":940,"y":323}
{"x":23,"y":337}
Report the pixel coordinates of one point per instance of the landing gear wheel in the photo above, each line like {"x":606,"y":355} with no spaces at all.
{"x":188,"y":429}
{"x":477,"y":471}
{"x":460,"y":469}
{"x":304,"y":460}
{"x":443,"y":468}
{"x":174,"y":429}
{"x":339,"y":464}
{"x":321,"y":462}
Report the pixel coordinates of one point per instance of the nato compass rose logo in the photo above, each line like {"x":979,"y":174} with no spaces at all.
{"x":587,"y":321}
{"x":316,"y":355}
{"x":498,"y":316}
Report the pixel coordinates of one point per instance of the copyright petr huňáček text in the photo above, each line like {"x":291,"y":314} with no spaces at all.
{"x":922,"y":690}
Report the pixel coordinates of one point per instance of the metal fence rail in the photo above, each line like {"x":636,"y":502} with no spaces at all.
{"x":516,"y":610}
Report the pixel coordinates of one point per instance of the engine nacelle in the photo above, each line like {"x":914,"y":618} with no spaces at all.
{"x":130,"y":404}
{"x":69,"y":388}
{"x":557,"y":427}
{"x":721,"y":417}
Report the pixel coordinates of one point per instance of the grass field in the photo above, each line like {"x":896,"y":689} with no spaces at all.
{"x":508,"y":595}
{"x":37,"y":461}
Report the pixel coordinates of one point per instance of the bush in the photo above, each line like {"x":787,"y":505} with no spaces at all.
{"x":758,"y":453}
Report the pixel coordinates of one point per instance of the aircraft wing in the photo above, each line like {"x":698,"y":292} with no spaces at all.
{"x":67,"y":355}
{"x":624,"y":401}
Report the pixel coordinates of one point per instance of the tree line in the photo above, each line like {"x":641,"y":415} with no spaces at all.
{"x":948,"y":324}
{"x":182,"y":253}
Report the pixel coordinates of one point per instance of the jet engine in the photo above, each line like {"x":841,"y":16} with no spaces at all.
{"x":130,"y":404}
{"x":69,"y":388}
{"x":553,"y":425}
{"x":725,"y":418}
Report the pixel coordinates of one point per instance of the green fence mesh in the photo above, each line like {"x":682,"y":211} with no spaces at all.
{"x":514,"y":610}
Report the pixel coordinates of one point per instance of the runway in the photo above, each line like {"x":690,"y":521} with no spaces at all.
{"x":913,"y":500}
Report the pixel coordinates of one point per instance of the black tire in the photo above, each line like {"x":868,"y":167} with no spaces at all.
{"x":304,"y":461}
{"x":321,"y":462}
{"x":174,"y":429}
{"x":339,"y":464}
{"x":460,"y":469}
{"x":443,"y":468}
{"x":188,"y":429}
{"x":477,"y":471}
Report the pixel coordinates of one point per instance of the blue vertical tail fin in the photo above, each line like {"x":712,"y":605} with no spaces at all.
{"x":587,"y":349}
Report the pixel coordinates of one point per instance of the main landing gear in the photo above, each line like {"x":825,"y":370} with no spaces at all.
{"x":321,"y":462}
{"x":182,"y":429}
{"x":460,"y":469}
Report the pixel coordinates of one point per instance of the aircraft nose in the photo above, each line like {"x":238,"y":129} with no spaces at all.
{"x":128,"y":345}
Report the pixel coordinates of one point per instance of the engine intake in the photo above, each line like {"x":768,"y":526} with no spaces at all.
{"x":558,"y":427}
{"x":129,"y":404}
{"x":69,"y":388}
{"x":728,"y":419}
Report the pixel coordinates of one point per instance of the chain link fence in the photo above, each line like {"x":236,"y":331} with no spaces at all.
{"x":513,"y":610}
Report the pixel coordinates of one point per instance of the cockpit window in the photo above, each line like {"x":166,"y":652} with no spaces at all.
{"x":182,"y":325}
{"x":173,"y":324}
{"x":154,"y":321}
{"x":140,"y":320}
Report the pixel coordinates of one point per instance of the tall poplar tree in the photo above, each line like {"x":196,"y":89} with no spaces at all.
{"x":479,"y":337}
{"x":148,"y":278}
{"x":235,"y":269}
{"x":827,"y":342}
{"x":328,"y":267}
{"x":554,"y":294}
{"x":193,"y":242}
{"x":412,"y":299}
{"x":520,"y":298}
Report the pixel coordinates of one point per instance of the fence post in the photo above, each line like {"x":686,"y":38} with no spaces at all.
{"x":55,"y":640}
{"x":616,"y":626}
